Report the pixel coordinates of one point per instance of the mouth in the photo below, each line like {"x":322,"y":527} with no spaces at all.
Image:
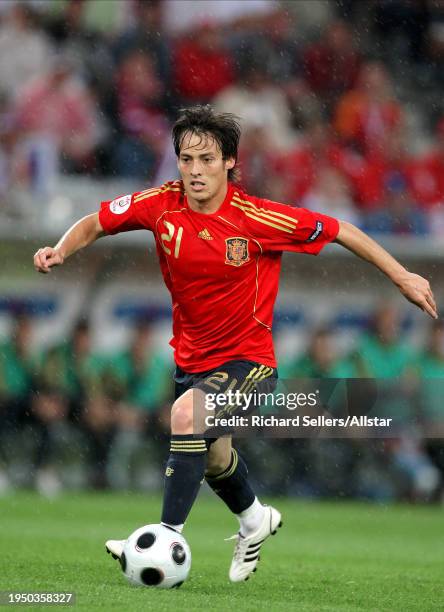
{"x":197,"y":185}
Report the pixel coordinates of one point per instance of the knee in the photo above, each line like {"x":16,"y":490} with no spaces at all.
{"x":182,"y":416}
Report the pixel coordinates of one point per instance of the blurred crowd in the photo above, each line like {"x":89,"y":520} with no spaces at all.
{"x":342,"y":112}
{"x":332,"y":113}
{"x":71,"y":416}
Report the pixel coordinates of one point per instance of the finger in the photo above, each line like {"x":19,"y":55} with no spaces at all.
{"x":40,"y":260}
{"x":51,"y":260}
{"x":38,"y":263}
{"x":431,"y":300}
{"x":429,"y":309}
{"x":41,"y":264}
{"x":433,"y":308}
{"x":46,"y":256}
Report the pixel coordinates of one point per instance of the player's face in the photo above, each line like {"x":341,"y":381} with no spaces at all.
{"x":203,"y":171}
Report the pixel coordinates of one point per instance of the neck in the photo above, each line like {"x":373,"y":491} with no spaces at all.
{"x":211,"y":205}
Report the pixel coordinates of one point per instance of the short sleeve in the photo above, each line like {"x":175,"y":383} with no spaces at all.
{"x":128,"y":212}
{"x":286,"y":228}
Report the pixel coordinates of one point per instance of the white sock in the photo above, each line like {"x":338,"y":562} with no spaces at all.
{"x":251,"y":519}
{"x":177,"y":528}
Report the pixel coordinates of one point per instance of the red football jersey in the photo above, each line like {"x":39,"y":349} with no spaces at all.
{"x":222,"y":269}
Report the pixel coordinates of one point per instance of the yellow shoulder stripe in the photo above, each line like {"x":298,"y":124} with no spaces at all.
{"x":248,"y":213}
{"x":144,"y":195}
{"x":149,"y":193}
{"x":265,"y":211}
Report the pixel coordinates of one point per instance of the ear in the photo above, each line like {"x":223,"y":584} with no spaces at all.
{"x":230,"y":163}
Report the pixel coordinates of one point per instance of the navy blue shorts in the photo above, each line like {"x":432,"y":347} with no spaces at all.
{"x":248,"y":378}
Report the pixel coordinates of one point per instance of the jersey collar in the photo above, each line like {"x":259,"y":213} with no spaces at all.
{"x":221,"y":208}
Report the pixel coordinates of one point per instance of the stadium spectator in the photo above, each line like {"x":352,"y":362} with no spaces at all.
{"x":256,"y":158}
{"x":399,"y":213}
{"x":50,"y":430}
{"x":143,"y":125}
{"x":26,"y":47}
{"x":427,"y":173}
{"x":8,"y":141}
{"x":273,"y":44}
{"x":137,"y":380}
{"x":365,"y":115}
{"x":57,"y":120}
{"x":147,"y":35}
{"x":316,"y":474}
{"x":85,"y":47}
{"x":72,"y":371}
{"x":17,"y":370}
{"x":390,"y":169}
{"x":380,"y":352}
{"x":430,"y":372}
{"x":202,"y":65}
{"x":320,"y":360}
{"x":429,"y":367}
{"x":258,"y":101}
{"x":332,"y":64}
{"x":331,"y":194}
{"x":299,"y":167}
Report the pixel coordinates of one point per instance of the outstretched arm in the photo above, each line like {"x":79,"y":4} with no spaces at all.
{"x":79,"y":235}
{"x":414,"y":287}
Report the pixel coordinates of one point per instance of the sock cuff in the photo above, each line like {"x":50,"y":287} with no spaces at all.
{"x":187,"y":444}
{"x":229,"y":471}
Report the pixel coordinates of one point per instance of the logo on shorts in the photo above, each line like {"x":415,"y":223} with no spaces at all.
{"x":237,"y":251}
{"x":120,"y":205}
{"x":169,"y":471}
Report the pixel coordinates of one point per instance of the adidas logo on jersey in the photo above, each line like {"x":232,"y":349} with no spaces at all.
{"x":205,"y":235}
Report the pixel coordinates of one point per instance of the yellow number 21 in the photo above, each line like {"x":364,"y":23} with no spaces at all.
{"x":167,"y":239}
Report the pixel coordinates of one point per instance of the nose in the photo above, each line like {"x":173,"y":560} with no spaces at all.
{"x":196,"y":168}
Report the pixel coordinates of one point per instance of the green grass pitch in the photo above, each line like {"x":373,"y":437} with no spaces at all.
{"x":327,"y":556}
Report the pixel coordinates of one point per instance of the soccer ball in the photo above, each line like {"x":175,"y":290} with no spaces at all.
{"x":156,"y":556}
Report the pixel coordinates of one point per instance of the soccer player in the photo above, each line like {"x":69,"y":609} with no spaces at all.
{"x":220,"y":251}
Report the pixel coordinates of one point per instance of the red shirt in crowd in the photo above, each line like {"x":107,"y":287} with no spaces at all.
{"x":299,"y":168}
{"x":328,"y":71}
{"x":423,"y":178}
{"x":427,"y":177}
{"x":222,"y":269}
{"x":201,"y":73}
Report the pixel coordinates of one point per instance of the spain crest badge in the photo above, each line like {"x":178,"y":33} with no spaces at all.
{"x":237,"y":251}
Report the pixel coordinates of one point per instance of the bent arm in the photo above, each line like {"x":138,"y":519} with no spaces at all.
{"x":414,"y":287}
{"x":81,"y":234}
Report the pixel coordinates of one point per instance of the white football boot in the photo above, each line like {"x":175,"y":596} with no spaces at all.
{"x":115,"y":548}
{"x":246,"y":551}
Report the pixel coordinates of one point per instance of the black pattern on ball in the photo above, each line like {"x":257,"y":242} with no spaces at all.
{"x":146,"y":540}
{"x":122,"y":561}
{"x":151,"y":576}
{"x":178,"y":554}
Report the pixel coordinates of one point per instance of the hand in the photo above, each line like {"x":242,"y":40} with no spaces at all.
{"x":47,"y":258}
{"x":417,"y":290}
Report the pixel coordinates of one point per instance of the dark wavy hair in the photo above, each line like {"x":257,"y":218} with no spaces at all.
{"x":203,"y":120}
